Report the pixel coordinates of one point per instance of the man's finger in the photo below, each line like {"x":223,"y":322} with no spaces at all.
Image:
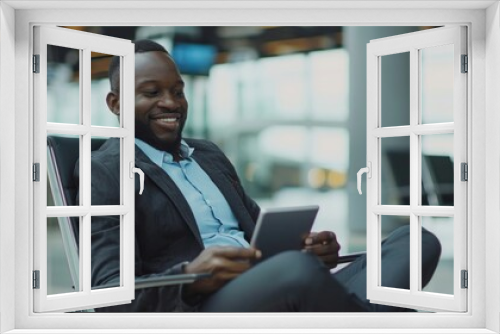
{"x":237,"y":252}
{"x":221,"y":264}
{"x":325,"y":237}
{"x":309,"y":240}
{"x":320,"y":249}
{"x":330,"y":261}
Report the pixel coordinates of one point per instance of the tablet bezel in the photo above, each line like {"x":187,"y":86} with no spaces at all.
{"x":313,"y":209}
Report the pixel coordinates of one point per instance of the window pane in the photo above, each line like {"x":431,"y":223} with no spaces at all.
{"x":62,"y":154}
{"x":395,"y":89}
{"x":62,"y":255}
{"x":442,"y":228}
{"x":395,"y":171}
{"x":106,"y":171}
{"x":100,"y":87}
{"x":436,"y":83}
{"x":105,"y":248}
{"x":395,"y":277}
{"x":437,"y":170}
{"x":63,"y":85}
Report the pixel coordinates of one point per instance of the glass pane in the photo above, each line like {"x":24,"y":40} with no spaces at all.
{"x":105,"y":250}
{"x":395,"y":256}
{"x":63,"y":152}
{"x":442,"y":280}
{"x":100,"y":87}
{"x":395,"y":171}
{"x":62,"y":255}
{"x":436,"y":84}
{"x":105,"y":171}
{"x":395,"y":89}
{"x":63,"y":85}
{"x":437,"y":170}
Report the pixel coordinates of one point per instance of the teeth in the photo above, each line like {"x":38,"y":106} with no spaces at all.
{"x":168,"y":120}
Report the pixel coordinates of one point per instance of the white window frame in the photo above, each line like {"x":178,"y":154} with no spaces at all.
{"x":84,"y":297}
{"x":16,"y":21}
{"x":413,"y":43}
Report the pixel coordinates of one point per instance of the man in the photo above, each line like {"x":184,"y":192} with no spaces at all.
{"x":195,"y":217}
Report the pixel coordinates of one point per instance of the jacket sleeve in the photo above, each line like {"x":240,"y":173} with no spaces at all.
{"x":105,"y":250}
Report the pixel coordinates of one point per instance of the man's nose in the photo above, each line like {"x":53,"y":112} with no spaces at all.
{"x":168,"y":101}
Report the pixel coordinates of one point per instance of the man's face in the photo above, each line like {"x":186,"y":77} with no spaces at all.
{"x":160,"y":105}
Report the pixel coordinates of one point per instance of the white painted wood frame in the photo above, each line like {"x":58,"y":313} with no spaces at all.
{"x":83,"y":297}
{"x":413,"y":43}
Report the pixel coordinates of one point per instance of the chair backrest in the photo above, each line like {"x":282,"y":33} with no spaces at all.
{"x":62,"y":155}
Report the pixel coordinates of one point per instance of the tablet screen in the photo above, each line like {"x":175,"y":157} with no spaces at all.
{"x":283,"y":229}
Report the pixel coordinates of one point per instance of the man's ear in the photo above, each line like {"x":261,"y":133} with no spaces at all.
{"x":113,"y":101}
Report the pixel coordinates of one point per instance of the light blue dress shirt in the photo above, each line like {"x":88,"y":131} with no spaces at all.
{"x":216,"y":222}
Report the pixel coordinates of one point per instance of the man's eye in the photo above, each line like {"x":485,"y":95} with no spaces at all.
{"x":151,"y":93}
{"x":179,"y":93}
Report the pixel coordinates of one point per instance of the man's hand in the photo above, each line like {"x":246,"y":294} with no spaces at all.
{"x":224,"y":263}
{"x":325,"y":246}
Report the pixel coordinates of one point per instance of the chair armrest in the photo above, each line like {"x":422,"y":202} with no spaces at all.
{"x":154,"y":282}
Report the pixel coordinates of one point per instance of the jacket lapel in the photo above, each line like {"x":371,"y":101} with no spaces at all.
{"x":165,"y":183}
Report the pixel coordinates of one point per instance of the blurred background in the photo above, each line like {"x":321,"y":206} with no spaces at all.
{"x":288,"y":107}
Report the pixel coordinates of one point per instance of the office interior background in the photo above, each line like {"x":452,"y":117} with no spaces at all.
{"x":288,"y":107}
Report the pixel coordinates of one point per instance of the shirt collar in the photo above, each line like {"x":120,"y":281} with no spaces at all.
{"x":158,"y":156}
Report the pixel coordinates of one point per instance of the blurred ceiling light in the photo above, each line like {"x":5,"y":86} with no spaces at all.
{"x":316,"y":177}
{"x":298,"y":45}
{"x":336,"y":179}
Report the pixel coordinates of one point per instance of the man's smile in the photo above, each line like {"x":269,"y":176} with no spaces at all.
{"x":167,"y":121}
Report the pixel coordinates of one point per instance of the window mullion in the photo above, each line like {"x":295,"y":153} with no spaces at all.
{"x":414,"y":170}
{"x":85,"y":227}
{"x":127,"y":226}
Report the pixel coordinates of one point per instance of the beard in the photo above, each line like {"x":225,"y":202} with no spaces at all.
{"x":144,"y":133}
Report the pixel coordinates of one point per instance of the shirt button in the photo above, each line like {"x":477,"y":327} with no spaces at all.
{"x":207,"y":201}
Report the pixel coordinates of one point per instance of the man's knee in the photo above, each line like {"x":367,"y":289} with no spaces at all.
{"x":431,"y":248}
{"x":402,"y":232}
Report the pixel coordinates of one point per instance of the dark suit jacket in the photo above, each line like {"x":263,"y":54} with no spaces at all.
{"x":166,"y":233}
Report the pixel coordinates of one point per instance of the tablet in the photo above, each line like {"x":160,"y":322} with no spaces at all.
{"x":282,"y":229}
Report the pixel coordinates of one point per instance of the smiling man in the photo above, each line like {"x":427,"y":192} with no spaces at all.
{"x":159,"y":119}
{"x":195,"y":217}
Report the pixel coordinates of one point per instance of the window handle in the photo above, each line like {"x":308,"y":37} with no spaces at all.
{"x":368,"y":171}
{"x":133,"y":170}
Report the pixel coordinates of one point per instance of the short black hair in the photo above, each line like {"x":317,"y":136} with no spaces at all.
{"x":142,"y":45}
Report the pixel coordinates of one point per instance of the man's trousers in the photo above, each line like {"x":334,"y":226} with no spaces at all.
{"x":295,"y":281}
